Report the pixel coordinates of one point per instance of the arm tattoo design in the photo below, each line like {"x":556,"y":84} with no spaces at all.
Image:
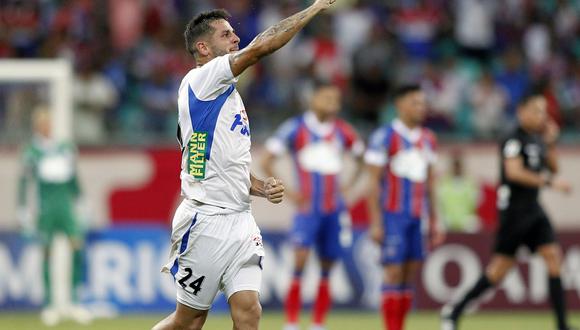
{"x":284,"y":26}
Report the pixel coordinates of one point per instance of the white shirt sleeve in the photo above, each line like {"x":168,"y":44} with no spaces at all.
{"x":512,"y":148}
{"x":212,"y":79}
{"x":376,"y":153}
{"x":278,"y":143}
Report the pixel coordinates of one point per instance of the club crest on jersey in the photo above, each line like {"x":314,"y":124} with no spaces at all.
{"x":196,"y":148}
{"x":241,"y":119}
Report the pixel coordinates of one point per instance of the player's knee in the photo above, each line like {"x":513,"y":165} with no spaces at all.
{"x":175,"y":323}
{"x":253,"y":312}
{"x":394,"y":275}
{"x":553,"y":259}
{"x":554,"y":256}
{"x":498,"y":269}
{"x":301,"y":256}
{"x":248,"y":317}
{"x":182,"y":325}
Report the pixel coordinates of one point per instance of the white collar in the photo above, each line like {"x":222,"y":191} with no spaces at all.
{"x":316,"y":126}
{"x":412,"y":135}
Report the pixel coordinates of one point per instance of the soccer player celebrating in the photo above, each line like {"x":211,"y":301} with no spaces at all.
{"x":50,"y":165}
{"x":526,"y":154}
{"x":317,"y":141}
{"x":216,"y":244}
{"x":400,"y":159}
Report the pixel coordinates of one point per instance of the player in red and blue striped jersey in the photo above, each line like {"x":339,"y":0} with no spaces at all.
{"x":317,"y":141}
{"x":400,"y":159}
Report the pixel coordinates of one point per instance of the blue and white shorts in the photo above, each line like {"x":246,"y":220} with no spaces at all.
{"x":213,"y":252}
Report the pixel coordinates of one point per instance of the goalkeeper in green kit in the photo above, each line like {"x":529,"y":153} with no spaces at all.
{"x":49,"y":166}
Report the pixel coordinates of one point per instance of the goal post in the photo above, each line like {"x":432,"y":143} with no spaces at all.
{"x":57,"y":74}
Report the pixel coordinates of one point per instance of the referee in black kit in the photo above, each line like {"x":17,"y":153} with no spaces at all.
{"x":528,"y":163}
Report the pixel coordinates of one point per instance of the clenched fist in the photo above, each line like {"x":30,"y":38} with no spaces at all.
{"x":274,"y":190}
{"x":323,"y":4}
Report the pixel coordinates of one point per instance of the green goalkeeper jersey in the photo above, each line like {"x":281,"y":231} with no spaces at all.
{"x":52,"y":167}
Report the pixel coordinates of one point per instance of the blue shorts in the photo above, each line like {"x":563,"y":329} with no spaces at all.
{"x":403,"y":239}
{"x":321,"y":230}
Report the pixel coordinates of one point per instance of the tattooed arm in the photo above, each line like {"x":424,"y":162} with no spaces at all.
{"x":275,"y":37}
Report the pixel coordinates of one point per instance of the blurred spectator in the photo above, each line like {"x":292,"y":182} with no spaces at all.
{"x":245,"y":19}
{"x":457,"y":196}
{"x":5,"y":48}
{"x":159,"y":101}
{"x":417,"y":25}
{"x":536,"y":44}
{"x":567,"y":21}
{"x":93,"y":96}
{"x":443,"y":88}
{"x":21,"y":23}
{"x":126,"y":23}
{"x":365,"y":46}
{"x":370,"y":75}
{"x":488,"y":101}
{"x":353,"y":27}
{"x":282,"y":64}
{"x":474,"y":27}
{"x":568,"y":91}
{"x":513,"y":77}
{"x":321,"y":56}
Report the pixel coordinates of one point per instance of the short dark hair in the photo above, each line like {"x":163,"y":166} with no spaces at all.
{"x":319,"y":83}
{"x":535,"y":91}
{"x":200,"y":26}
{"x":405,"y":89}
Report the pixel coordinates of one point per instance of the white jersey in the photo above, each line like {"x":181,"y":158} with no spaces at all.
{"x":214,"y":135}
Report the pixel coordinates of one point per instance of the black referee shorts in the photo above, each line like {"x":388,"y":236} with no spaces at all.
{"x":523,"y":226}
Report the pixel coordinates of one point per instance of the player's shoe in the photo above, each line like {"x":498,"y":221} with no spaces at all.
{"x":317,"y":327}
{"x":80,"y":314}
{"x":50,"y":316}
{"x":291,"y":326}
{"x":447,"y":322}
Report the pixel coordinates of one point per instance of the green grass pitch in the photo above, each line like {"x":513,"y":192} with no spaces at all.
{"x":339,"y":320}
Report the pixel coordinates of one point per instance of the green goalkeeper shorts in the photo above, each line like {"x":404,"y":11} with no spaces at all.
{"x":52,"y":223}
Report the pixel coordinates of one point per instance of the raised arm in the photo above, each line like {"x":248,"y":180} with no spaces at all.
{"x":275,"y":37}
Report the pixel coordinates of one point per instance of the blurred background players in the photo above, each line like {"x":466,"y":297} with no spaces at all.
{"x":318,"y":141}
{"x":400,"y":159}
{"x":527,"y":152}
{"x":50,"y":167}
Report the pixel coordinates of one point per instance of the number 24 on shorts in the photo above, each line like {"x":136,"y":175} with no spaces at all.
{"x":195,"y":285}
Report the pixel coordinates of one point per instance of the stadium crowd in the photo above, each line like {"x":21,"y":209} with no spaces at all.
{"x":474,"y":58}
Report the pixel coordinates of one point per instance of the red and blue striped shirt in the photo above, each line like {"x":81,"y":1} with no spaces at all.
{"x":406,"y":155}
{"x":317,"y":149}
